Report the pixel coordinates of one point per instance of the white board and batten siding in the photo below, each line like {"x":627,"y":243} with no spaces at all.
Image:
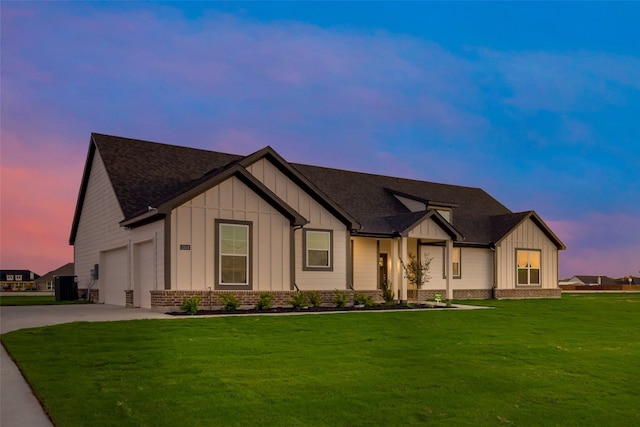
{"x":318,"y":217}
{"x":193,"y":226}
{"x":100,"y":240}
{"x":526,"y":236}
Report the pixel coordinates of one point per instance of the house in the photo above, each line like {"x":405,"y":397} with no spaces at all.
{"x":592,"y":280}
{"x":155,"y":223}
{"x":47,"y":281}
{"x":17,"y":280}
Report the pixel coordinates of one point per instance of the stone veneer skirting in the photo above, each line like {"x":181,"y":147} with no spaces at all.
{"x":169,"y":300}
{"x":429,"y":294}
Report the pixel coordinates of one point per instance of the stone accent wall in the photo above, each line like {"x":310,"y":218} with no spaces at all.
{"x":528,"y":293}
{"x":168,"y":300}
{"x":128,"y":296}
{"x":94,"y":297}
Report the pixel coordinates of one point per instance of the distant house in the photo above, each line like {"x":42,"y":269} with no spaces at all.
{"x":47,"y":281}
{"x":628,"y":280}
{"x":18,"y":280}
{"x":592,"y":280}
{"x":155,"y":223}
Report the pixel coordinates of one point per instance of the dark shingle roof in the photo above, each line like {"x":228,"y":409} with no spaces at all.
{"x":367,"y":198}
{"x":144,"y":174}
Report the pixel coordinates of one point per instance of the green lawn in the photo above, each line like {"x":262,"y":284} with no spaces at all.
{"x":568,"y":362}
{"x":34,"y":300}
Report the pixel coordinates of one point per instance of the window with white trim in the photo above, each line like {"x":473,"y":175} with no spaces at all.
{"x":233,"y":253}
{"x":528,"y":267}
{"x":9,"y":276}
{"x":317,"y":250}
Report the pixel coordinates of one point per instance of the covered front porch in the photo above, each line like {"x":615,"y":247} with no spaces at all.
{"x":379,"y":261}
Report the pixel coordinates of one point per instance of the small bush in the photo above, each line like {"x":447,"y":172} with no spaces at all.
{"x":229,"y":301}
{"x":363,"y":299}
{"x":298,"y":300}
{"x":190,"y":305}
{"x":264,"y":303}
{"x":387,"y":294}
{"x":340,"y":298}
{"x":314,"y":298}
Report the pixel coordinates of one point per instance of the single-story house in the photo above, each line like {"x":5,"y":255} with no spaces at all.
{"x":47,"y":282}
{"x":155,"y":223}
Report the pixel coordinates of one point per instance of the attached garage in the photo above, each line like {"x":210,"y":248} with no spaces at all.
{"x":114,"y":276}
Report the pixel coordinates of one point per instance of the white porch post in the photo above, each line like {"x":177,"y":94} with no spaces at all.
{"x":403,"y":282}
{"x":449,"y":264}
{"x":395,"y":268}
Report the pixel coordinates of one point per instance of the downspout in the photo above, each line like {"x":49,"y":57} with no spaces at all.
{"x":495,"y":270}
{"x":292,"y":258}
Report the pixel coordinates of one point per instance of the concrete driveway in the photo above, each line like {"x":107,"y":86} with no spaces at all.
{"x":18,"y":405}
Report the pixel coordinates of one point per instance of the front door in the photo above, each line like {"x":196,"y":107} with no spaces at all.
{"x":383,"y":273}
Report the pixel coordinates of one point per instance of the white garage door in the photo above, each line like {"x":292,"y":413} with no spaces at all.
{"x":115,"y":273}
{"x":144,"y":269}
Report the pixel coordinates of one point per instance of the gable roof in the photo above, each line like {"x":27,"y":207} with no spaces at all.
{"x":65,"y":270}
{"x":589,"y":280}
{"x":148,"y":178}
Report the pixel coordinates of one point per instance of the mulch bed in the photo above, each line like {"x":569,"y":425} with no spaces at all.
{"x":280,"y":310}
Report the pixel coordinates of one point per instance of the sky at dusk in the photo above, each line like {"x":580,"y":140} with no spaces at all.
{"x":536,"y":103}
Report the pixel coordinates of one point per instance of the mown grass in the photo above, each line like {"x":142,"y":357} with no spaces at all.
{"x":567,"y":362}
{"x":20,"y":300}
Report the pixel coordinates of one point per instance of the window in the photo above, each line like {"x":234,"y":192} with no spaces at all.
{"x":234,"y":247}
{"x":456,"y":256}
{"x":19,"y":277}
{"x":528,"y":266}
{"x":445,"y":213}
{"x":9,"y":276}
{"x":456,"y":262}
{"x":317,"y":250}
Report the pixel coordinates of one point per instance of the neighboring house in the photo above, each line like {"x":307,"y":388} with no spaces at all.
{"x":47,"y":281}
{"x":592,"y":280}
{"x":155,"y":223}
{"x":17,"y":280}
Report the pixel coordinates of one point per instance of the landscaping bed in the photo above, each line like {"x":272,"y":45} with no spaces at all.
{"x":281,"y":310}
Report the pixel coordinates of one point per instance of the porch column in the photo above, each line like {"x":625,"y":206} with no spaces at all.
{"x":449,"y":266}
{"x":403,"y":281}
{"x":395,"y":278}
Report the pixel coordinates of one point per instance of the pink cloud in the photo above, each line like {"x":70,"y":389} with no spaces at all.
{"x":39,"y":185}
{"x":599,"y":244}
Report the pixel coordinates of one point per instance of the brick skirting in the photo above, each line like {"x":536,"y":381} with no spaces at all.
{"x":528,"y":293}
{"x":94,"y":297}
{"x":170,"y":300}
{"x":429,"y":294}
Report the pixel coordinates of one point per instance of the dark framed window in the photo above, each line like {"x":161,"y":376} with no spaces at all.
{"x":318,"y":254}
{"x":233,"y":254}
{"x":528,"y":267}
{"x":456,"y":261}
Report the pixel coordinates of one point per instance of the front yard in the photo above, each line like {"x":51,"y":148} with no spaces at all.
{"x":567,"y":362}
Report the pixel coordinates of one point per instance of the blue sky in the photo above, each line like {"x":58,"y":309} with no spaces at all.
{"x":537,"y":103}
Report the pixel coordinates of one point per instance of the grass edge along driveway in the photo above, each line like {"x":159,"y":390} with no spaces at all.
{"x":571,"y":361}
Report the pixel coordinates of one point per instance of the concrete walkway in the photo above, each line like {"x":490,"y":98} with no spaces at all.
{"x":18,"y":405}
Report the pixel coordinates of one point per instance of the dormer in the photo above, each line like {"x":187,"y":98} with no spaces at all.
{"x":418,"y":204}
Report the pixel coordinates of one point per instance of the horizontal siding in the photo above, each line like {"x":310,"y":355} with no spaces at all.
{"x":365,"y":264}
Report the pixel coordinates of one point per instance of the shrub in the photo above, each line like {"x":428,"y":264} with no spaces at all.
{"x":229,"y":301}
{"x":264,"y":303}
{"x":298,"y":300}
{"x":314,"y":298}
{"x":363,"y":299}
{"x":340,"y":298}
{"x":387,"y":293}
{"x":190,"y":305}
